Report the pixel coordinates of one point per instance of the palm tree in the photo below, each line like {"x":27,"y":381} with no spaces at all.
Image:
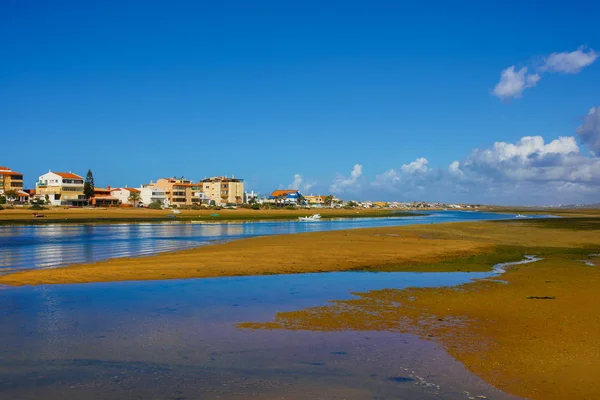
{"x":134,"y":197}
{"x":280,"y":200}
{"x":329,"y":200}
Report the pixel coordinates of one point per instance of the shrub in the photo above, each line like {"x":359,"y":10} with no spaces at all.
{"x":37,"y":207}
{"x":1,"y":208}
{"x":216,"y":208}
{"x":291,"y":208}
{"x":255,"y":206}
{"x":2,"y":200}
{"x":155,"y":205}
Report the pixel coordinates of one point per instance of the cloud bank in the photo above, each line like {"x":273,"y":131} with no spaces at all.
{"x":531,"y":171}
{"x":513,"y":82}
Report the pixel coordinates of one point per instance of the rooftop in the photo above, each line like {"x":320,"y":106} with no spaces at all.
{"x":68,"y":175}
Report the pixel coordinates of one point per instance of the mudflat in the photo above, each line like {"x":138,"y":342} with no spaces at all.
{"x":534,"y":334}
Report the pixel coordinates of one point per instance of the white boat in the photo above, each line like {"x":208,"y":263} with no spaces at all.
{"x":176,"y":211}
{"x":521,"y":216}
{"x":312,"y":218}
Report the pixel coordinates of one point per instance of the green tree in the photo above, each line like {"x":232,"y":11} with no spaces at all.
{"x":88,"y":186}
{"x":2,"y":200}
{"x":134,"y":197}
{"x":281,"y":200}
{"x":47,"y":198}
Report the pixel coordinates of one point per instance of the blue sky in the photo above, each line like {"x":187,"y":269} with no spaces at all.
{"x":299,"y":94}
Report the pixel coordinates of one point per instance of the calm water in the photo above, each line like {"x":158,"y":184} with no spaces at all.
{"x":46,"y":246}
{"x":178,"y":339}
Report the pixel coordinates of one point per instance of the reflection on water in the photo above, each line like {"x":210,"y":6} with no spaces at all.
{"x":46,"y":246}
{"x":178,"y":340}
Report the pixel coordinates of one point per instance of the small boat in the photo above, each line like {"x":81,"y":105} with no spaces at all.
{"x":521,"y":216}
{"x":176,"y":211}
{"x":312,"y":218}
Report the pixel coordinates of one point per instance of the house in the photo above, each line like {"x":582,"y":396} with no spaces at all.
{"x":177,"y":190}
{"x":223,"y":190}
{"x":124,"y":195}
{"x":62,"y":188}
{"x":287,"y":197}
{"x":103,"y":198}
{"x":10,"y":180}
{"x":315,"y":200}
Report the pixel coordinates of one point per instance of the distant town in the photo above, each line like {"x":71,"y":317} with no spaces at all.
{"x":69,"y":189}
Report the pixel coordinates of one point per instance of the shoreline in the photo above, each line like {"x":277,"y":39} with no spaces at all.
{"x":10,"y":217}
{"x":455,"y":246}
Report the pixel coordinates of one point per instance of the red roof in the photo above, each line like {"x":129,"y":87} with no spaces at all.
{"x":68,"y":175}
{"x":8,"y":172}
{"x":283,"y":192}
{"x":132,"y":190}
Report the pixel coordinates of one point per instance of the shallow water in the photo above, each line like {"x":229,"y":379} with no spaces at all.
{"x":53,"y":245}
{"x":178,"y":340}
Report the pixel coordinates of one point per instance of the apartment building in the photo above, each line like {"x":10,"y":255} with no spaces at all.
{"x":150,"y":193}
{"x":177,"y":190}
{"x":62,"y":188}
{"x":223,"y":190}
{"x":10,"y":180}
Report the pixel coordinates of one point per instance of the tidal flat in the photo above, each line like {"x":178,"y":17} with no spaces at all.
{"x":417,"y":313}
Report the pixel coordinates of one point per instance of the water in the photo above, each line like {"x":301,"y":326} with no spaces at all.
{"x":179,"y":340}
{"x":46,"y":246}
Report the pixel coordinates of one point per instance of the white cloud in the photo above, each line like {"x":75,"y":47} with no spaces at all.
{"x":589,"y":131}
{"x":300,"y":184}
{"x":348,"y":184}
{"x":512,"y":83}
{"x":569,"y":63}
{"x":417,"y":166}
{"x":528,"y":171}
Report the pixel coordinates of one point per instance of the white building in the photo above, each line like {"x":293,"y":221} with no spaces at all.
{"x":150,"y":193}
{"x":62,"y":188}
{"x":123,"y":194}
